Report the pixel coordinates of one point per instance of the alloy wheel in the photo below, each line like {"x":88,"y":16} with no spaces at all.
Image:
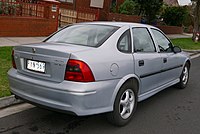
{"x":126,"y":104}
{"x":185,"y":75}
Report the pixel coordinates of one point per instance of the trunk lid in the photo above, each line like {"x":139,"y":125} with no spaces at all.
{"x":51,"y":57}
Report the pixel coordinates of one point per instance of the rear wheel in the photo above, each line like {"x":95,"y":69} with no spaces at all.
{"x":124,"y":106}
{"x":184,"y":77}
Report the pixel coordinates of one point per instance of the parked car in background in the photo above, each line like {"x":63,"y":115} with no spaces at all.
{"x":98,"y":67}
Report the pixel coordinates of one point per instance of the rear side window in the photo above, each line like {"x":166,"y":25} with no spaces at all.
{"x":86,"y":35}
{"x":142,"y":40}
{"x":124,"y":43}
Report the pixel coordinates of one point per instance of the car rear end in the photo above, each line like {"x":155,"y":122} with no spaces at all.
{"x":45,"y":74}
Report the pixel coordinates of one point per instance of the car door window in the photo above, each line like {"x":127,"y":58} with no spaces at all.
{"x":142,"y":40}
{"x":163,"y":43}
{"x":124,"y":43}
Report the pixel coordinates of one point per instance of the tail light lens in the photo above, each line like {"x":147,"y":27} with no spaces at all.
{"x":78,"y":71}
{"x":13,"y":60}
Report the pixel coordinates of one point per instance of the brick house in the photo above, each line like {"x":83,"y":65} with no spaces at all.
{"x":80,"y":4}
{"x":105,"y":9}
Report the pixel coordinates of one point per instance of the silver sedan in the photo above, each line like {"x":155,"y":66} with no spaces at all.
{"x":98,"y":67}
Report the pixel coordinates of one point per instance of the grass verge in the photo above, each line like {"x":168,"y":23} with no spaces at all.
{"x":186,"y":43}
{"x":5,"y":65}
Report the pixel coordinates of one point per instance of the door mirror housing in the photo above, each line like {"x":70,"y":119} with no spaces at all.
{"x":177,"y":49}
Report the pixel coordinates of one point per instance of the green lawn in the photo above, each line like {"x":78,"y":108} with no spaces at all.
{"x":5,"y":65}
{"x":186,"y":43}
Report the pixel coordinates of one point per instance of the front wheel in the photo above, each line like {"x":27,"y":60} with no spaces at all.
{"x":184,"y":77}
{"x":124,"y":106}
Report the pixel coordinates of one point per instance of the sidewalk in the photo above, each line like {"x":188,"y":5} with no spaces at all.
{"x":14,"y":41}
{"x":175,"y":36}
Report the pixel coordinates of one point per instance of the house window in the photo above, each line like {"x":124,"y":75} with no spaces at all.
{"x":68,"y":1}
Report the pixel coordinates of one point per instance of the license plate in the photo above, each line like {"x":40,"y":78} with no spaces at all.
{"x":37,"y":66}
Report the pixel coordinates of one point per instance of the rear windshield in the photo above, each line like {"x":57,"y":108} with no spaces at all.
{"x":86,"y":35}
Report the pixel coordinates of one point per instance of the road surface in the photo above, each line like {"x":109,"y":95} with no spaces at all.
{"x":171,"y":111}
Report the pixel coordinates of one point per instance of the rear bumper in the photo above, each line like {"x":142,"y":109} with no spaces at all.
{"x":79,"y":98}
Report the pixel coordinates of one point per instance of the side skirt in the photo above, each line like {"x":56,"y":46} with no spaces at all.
{"x":150,"y":93}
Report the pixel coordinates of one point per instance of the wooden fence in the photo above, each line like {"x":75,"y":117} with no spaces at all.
{"x":74,"y":16}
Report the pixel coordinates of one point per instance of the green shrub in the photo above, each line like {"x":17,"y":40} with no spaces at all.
{"x":1,"y":10}
{"x":150,"y":10}
{"x":175,"y":16}
{"x":128,"y":7}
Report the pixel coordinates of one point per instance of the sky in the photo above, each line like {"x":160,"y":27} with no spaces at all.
{"x":184,"y":2}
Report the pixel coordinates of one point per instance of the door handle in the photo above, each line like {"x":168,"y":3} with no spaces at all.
{"x":164,"y":60}
{"x":141,"y":62}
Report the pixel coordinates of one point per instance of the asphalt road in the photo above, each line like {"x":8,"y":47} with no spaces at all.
{"x":171,"y":111}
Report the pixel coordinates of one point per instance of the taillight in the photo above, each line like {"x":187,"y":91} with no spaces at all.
{"x":13,"y":60}
{"x":78,"y":71}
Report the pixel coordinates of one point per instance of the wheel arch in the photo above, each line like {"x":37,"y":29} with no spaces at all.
{"x":188,"y":62}
{"x":130,"y":77}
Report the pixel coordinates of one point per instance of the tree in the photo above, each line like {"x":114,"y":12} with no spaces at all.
{"x":150,"y":8}
{"x":196,"y":4}
{"x":128,"y":7}
{"x":175,"y":15}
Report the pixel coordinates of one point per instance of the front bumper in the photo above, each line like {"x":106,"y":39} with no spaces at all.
{"x":79,"y":98}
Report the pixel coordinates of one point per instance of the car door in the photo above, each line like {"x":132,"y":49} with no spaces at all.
{"x":147,"y":60}
{"x":170,"y":64}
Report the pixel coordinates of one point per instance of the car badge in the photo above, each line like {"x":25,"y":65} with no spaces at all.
{"x":33,"y":50}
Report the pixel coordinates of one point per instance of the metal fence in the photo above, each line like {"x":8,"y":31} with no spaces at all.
{"x":22,"y":8}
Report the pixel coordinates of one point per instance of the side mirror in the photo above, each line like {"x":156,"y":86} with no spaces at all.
{"x":177,"y":49}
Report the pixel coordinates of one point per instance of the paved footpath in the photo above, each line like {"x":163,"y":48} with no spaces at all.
{"x":175,"y":36}
{"x":14,"y":41}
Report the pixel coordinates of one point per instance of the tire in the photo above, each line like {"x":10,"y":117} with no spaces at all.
{"x":125,"y":105}
{"x":184,"y":78}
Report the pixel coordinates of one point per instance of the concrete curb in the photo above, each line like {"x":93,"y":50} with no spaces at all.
{"x":8,"y":101}
{"x":192,"y":51}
